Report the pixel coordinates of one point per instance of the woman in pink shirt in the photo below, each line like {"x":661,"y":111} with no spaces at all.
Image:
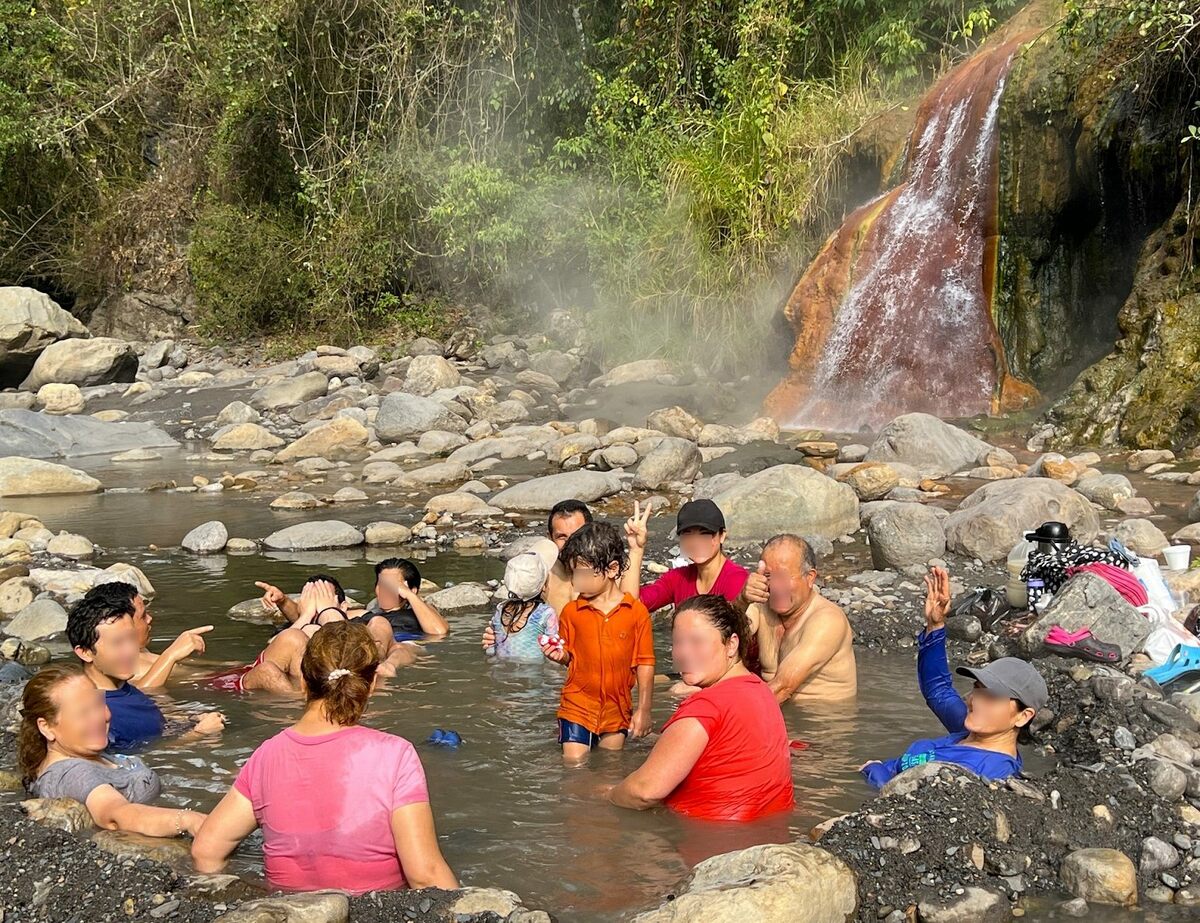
{"x":341,"y":805}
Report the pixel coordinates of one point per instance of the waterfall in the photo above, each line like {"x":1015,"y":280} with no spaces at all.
{"x":895,"y":313}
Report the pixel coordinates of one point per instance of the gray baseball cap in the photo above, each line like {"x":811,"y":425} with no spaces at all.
{"x":1011,"y":677}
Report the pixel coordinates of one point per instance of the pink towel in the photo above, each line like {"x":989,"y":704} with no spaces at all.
{"x":1120,"y":579}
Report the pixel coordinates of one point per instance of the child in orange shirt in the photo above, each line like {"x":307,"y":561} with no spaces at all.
{"x":605,"y":638}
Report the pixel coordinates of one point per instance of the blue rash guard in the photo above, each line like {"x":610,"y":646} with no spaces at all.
{"x":135,"y":719}
{"x":937,"y":686}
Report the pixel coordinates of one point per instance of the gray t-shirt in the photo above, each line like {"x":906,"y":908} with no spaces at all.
{"x":77,"y":778}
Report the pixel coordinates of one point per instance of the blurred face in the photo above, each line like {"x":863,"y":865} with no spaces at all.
{"x":563,"y":527}
{"x":142,"y":620}
{"x":589,"y":581}
{"x":386,"y":588}
{"x":992,"y":713}
{"x":789,"y":586}
{"x":699,"y":545}
{"x":700,"y":656}
{"x":81,"y":726}
{"x":116,"y":649}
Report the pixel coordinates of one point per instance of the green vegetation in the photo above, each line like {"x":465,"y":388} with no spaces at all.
{"x":339,"y":167}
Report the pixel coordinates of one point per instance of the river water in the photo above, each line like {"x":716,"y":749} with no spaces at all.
{"x":509,"y":815}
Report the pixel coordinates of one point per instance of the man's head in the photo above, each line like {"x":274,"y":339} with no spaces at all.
{"x":117,"y":592}
{"x":700,"y":527}
{"x":390,"y":573}
{"x":595,"y":556}
{"x":566,"y":518}
{"x":104,"y":637}
{"x":791,"y":573}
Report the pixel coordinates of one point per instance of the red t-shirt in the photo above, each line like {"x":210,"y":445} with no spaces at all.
{"x":746,"y":769}
{"x":679,"y":584}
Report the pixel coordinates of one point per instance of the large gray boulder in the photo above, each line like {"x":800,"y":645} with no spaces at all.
{"x":542,"y":493}
{"x":788,"y":498}
{"x":670,"y":461}
{"x":427,"y":374}
{"x":38,"y":621}
{"x":406,"y":416}
{"x":933,"y":446}
{"x":97,"y":361}
{"x":794,"y":882}
{"x":29,"y":477}
{"x":29,"y":322}
{"x":308,"y":536}
{"x":288,"y":392}
{"x":990,"y":521}
{"x":39,"y":435}
{"x":1088,"y":601}
{"x":1107,"y":490}
{"x":206,"y":538}
{"x":905,"y":535}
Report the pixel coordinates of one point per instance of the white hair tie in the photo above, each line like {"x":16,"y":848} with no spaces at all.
{"x":336,"y":674}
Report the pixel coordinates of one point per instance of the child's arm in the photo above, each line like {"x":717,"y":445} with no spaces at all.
{"x":639,"y":725}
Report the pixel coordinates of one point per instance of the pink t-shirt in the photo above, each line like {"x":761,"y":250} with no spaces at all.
{"x":325,"y":805}
{"x":679,"y":584}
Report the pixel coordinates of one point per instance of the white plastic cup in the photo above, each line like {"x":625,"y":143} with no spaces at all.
{"x":1177,"y":556}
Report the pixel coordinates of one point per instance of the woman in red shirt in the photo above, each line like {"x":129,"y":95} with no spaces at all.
{"x":724,"y":754}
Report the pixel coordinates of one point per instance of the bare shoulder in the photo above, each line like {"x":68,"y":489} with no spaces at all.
{"x":827,"y":615}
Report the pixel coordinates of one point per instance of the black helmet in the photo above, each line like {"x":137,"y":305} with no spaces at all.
{"x":1054,"y":533}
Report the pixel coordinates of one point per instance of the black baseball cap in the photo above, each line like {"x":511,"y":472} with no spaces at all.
{"x":700,"y":514}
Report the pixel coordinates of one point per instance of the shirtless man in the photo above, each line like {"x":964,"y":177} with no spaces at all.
{"x":566,"y":518}
{"x":152,"y":670}
{"x":804,"y":640}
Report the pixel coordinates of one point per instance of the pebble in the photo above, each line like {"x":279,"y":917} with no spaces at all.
{"x":1123,"y":738}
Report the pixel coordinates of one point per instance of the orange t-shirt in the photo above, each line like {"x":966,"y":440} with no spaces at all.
{"x":605,"y":650}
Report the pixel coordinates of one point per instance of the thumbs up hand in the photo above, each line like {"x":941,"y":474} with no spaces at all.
{"x":757,"y":586}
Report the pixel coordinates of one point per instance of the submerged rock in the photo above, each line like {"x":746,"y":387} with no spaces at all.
{"x":61,"y":813}
{"x":310,"y":907}
{"x":308,"y":536}
{"x":539,"y":494}
{"x":206,"y":538}
{"x":28,"y":477}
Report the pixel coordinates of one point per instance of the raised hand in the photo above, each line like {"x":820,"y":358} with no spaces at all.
{"x":272,"y":597}
{"x":635,"y":526}
{"x":190,"y":642}
{"x":757,"y":589}
{"x":937,"y":598}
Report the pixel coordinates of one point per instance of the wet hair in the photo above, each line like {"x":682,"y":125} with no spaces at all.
{"x":808,"y":558}
{"x":340,"y":646}
{"x":337,"y":587}
{"x":90,"y":613}
{"x":407,"y":568}
{"x":511,"y":609}
{"x":567,"y":508}
{"x":115,"y":590}
{"x":38,"y":702}
{"x":722,"y":616}
{"x":598,"y":544}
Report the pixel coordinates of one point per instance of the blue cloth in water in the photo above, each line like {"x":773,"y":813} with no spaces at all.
{"x":937,"y":686}
{"x":135,"y":719}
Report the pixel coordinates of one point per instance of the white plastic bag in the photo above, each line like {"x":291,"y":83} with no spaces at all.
{"x":1150,"y":575}
{"x":1165,"y":633}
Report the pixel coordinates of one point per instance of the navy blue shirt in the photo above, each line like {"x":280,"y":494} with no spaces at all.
{"x":135,"y":718}
{"x":937,"y":686}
